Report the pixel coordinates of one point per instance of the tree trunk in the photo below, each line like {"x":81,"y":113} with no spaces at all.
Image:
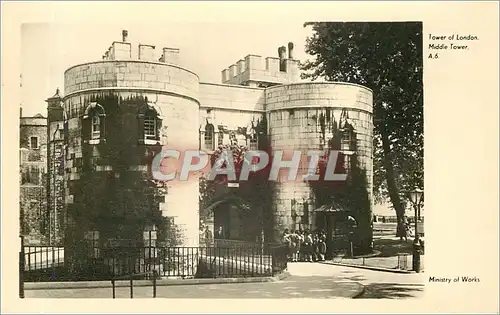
{"x":391,"y":183}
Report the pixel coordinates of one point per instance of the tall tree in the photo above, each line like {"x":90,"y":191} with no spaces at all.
{"x":386,"y":57}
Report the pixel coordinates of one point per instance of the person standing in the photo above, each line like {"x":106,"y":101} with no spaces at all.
{"x":219,"y":234}
{"x":208,"y":236}
{"x":286,"y":240}
{"x":322,"y":246}
{"x":300,"y":245}
{"x":308,"y":246}
{"x":294,"y":246}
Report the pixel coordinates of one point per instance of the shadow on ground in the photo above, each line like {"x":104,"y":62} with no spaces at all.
{"x":392,"y":247}
{"x":391,"y":291}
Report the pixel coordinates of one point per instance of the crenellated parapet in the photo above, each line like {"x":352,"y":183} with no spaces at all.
{"x":122,"y":50}
{"x":255,"y":71}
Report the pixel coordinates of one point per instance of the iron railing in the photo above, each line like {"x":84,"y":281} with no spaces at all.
{"x":223,"y":260}
{"x":131,"y":277}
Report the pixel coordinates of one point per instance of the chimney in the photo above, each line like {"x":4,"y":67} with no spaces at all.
{"x":290,"y":50}
{"x":124,"y":36}
{"x":282,"y":52}
{"x":20,"y":112}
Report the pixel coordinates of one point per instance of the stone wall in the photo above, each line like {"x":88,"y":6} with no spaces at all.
{"x":301,"y":117}
{"x":133,"y":74}
{"x":33,"y":172}
{"x":232,"y":110}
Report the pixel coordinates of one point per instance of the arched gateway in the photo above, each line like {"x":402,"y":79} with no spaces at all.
{"x":238,"y":217}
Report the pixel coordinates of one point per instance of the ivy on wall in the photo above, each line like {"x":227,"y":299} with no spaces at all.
{"x":352,"y":193}
{"x":256,"y":193}
{"x":123,"y":201}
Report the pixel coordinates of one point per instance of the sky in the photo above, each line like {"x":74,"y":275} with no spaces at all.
{"x":206,"y":48}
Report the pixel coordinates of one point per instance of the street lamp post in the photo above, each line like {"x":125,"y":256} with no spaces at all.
{"x":416,"y":199}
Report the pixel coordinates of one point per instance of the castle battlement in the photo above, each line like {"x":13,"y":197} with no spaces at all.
{"x":122,"y":50}
{"x":252,"y":71}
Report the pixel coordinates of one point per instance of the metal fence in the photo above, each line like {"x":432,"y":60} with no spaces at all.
{"x":222,"y":260}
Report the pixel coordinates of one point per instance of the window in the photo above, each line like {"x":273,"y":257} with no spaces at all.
{"x":220,"y":139}
{"x":150,"y":128}
{"x":61,"y":134}
{"x":96,"y":126}
{"x":347,"y":163}
{"x":346,"y":140}
{"x":94,"y":117}
{"x":209,"y":137}
{"x":253,"y":142}
{"x":34,"y":142}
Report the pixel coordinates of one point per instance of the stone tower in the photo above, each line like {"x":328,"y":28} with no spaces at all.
{"x":118,"y":113}
{"x":303,"y":116}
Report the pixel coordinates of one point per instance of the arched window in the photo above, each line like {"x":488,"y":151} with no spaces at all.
{"x":208,"y":137}
{"x":150,"y":123}
{"x":94,"y":123}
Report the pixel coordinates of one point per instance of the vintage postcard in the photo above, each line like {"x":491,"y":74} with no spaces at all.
{"x":204,"y":155}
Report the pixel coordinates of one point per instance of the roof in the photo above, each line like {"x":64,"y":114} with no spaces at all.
{"x":334,"y":206}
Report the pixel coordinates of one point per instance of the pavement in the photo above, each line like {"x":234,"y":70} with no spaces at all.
{"x":307,"y":280}
{"x":393,"y":255}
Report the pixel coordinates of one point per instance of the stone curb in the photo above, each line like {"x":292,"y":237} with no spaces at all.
{"x":369,"y":267}
{"x":147,"y":283}
{"x":360,"y":291}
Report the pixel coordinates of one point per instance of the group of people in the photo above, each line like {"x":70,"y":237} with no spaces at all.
{"x":305,"y":246}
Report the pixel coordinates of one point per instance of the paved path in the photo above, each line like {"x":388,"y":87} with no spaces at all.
{"x":384,"y":285}
{"x":377,"y":284}
{"x":307,"y":281}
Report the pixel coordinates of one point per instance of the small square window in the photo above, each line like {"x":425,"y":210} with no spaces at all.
{"x":34,"y":142}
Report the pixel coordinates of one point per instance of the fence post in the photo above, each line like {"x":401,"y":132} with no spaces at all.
{"x":131,"y":287}
{"x":154,"y":283}
{"x":113,"y":286}
{"x":21,"y":272}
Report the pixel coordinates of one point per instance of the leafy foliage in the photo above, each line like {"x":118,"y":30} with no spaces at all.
{"x":386,"y":57}
{"x":351,"y":194}
{"x":120,"y":203}
{"x":206,"y":196}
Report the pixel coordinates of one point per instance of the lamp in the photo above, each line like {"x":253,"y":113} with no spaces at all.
{"x":416,"y":196}
{"x":416,"y":199}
